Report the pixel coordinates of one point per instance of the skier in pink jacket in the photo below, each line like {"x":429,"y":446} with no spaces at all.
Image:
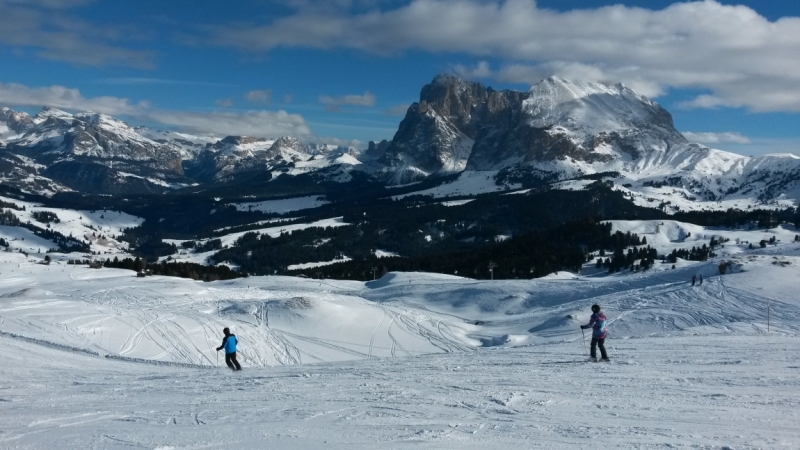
{"x":598,"y":325}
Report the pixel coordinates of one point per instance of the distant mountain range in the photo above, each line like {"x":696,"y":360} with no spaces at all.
{"x":557,"y":133}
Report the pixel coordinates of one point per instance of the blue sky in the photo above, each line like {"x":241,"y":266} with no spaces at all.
{"x":345,"y":70}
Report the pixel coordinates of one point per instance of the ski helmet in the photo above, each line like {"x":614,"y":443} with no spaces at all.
{"x":595,"y":307}
{"x":226,"y":330}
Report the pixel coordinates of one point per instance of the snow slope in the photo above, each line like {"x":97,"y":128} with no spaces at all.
{"x":689,"y":392}
{"x":286,"y":320}
{"x":99,"y":227}
{"x":429,"y":360}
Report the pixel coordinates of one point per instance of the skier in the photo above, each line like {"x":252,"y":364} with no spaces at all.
{"x":229,"y":344}
{"x":701,"y":279}
{"x":598,"y":325}
{"x":694,"y":279}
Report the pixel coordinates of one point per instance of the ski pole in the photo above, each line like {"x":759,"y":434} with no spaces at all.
{"x":584,"y":341}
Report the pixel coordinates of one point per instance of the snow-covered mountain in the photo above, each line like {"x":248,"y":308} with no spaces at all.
{"x":235,"y":155}
{"x":188,"y":145}
{"x":556,"y":131}
{"x":86,"y":152}
{"x":56,"y":151}
{"x":560,"y":130}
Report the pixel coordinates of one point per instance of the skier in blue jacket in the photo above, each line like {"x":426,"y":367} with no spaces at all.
{"x":229,"y":344}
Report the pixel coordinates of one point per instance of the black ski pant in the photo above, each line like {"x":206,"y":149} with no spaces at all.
{"x":598,"y":342}
{"x":230,"y":360}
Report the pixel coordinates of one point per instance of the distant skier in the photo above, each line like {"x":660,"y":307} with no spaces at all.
{"x":598,"y":325}
{"x":229,"y":344}
{"x":701,"y":280}
{"x":694,"y":279}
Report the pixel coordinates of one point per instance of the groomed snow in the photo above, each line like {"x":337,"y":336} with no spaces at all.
{"x":385,"y":254}
{"x":103,"y":359}
{"x":230,"y":239}
{"x":457,"y":202}
{"x":283,"y":205}
{"x":311,"y":265}
{"x":468,"y":183}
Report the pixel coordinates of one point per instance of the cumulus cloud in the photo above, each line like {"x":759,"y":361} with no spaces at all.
{"x":263,"y":96}
{"x":269,"y":124}
{"x":251,"y":123}
{"x":729,"y":137}
{"x":335,"y":103}
{"x":742,"y":58}
{"x":47,"y":29}
{"x":65,"y":98}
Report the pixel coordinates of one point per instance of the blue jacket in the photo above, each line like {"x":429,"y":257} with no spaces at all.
{"x":229,"y":343}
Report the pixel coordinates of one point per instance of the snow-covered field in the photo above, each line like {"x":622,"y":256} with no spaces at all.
{"x":99,"y":228}
{"x":103,"y":359}
{"x":231,"y":238}
{"x":283,"y":205}
{"x":470,"y":182}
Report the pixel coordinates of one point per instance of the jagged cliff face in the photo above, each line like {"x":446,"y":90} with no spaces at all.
{"x":459,"y":125}
{"x":439,"y":132}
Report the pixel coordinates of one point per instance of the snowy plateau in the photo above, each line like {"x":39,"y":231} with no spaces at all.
{"x":104,"y":359}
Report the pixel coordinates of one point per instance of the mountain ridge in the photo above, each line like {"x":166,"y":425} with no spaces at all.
{"x":555,"y":131}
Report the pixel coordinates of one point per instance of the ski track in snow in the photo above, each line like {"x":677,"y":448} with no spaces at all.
{"x":103,"y":359}
{"x":657,"y":393}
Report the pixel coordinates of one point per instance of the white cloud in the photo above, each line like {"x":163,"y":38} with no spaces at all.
{"x":263,"y":96}
{"x":46,"y":28}
{"x":251,"y":123}
{"x":717,"y":138}
{"x":66,"y":98}
{"x":334,"y":103}
{"x":742,"y":58}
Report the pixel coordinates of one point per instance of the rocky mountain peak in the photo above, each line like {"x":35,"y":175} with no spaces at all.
{"x":52,"y":113}
{"x":18,"y":122}
{"x":288,"y":142}
{"x":239,"y":140}
{"x":459,"y":124}
{"x":451,"y":96}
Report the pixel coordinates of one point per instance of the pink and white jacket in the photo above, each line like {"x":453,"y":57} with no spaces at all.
{"x":598,"y":324}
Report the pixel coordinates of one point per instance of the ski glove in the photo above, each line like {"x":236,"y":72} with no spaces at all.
{"x":583,"y":327}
